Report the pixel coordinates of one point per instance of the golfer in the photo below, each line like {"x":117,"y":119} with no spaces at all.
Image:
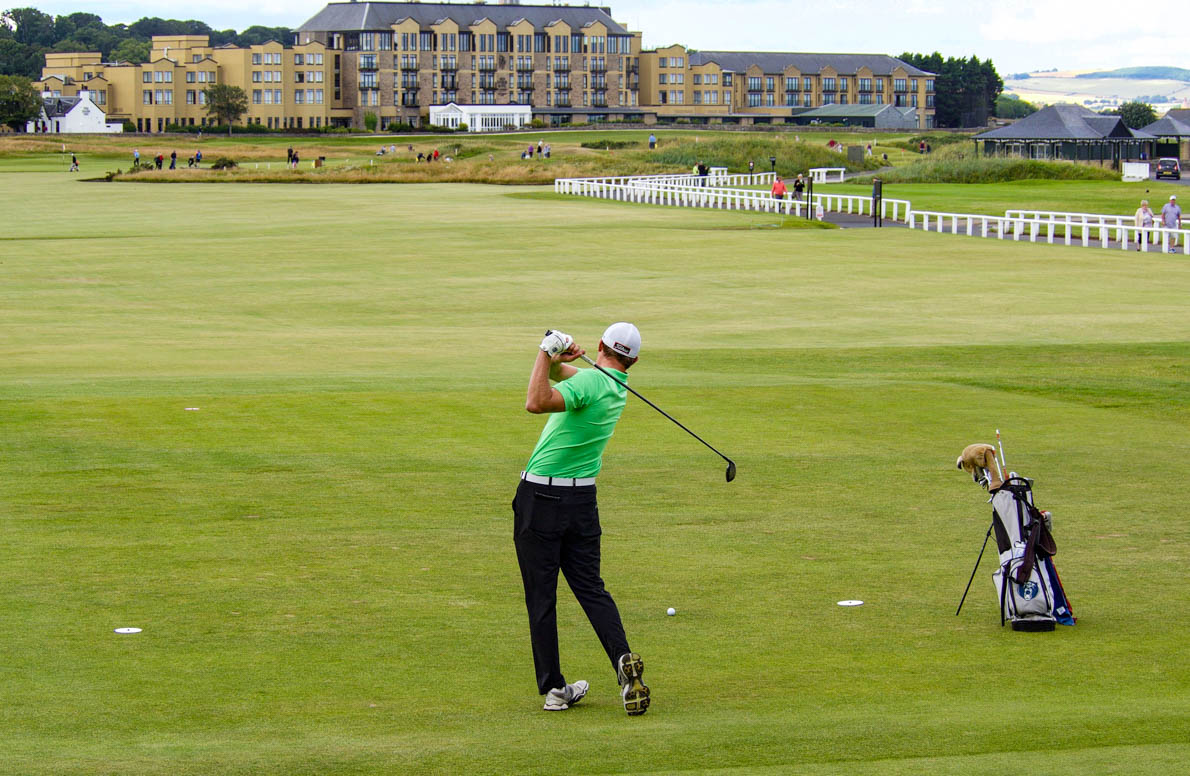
{"x":556,"y":520}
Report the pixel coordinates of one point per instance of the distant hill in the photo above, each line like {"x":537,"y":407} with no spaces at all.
{"x":1142,"y":73}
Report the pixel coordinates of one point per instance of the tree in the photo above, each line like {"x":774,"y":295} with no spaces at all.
{"x":19,"y":101}
{"x":1009,"y":106}
{"x":134,"y":51}
{"x":226,"y":103}
{"x":1137,"y":114}
{"x":965,"y":90}
{"x":30,"y":26}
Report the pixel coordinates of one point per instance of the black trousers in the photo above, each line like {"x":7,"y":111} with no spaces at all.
{"x":557,"y":528}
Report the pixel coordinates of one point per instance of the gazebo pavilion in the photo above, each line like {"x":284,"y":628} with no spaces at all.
{"x":1069,"y":132}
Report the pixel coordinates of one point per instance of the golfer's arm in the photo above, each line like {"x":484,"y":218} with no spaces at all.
{"x":542,"y":397}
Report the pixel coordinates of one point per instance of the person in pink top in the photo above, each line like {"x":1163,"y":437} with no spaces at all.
{"x":778,"y":189}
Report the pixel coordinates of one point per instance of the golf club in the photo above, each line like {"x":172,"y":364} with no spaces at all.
{"x":730,"y":463}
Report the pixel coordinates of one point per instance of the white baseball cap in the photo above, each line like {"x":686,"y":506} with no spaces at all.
{"x":1173,"y":196}
{"x":623,"y":338}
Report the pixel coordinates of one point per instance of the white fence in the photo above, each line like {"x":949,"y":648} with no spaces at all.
{"x":1048,"y":226}
{"x":1082,"y":229}
{"x":689,"y":191}
{"x":822,"y":174}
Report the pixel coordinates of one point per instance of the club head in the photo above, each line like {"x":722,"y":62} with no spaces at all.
{"x":730,"y":471}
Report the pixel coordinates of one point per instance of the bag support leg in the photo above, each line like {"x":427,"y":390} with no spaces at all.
{"x":977,"y":560}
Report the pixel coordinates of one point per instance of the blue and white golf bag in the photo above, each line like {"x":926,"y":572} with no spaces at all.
{"x":1031,"y":594}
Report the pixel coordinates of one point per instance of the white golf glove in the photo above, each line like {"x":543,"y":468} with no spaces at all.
{"x":556,"y":342}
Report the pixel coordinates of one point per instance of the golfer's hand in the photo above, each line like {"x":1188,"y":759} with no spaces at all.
{"x":555,"y":343}
{"x":570,"y":354}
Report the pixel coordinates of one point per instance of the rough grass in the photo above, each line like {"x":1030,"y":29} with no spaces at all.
{"x":958,"y":163}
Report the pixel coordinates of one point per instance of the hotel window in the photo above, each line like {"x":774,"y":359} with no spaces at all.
{"x":367,"y":41}
{"x":754,"y":83}
{"x":843,"y":98}
{"x":753,"y":100}
{"x":807,"y":84}
{"x":661,"y":78}
{"x":164,"y":97}
{"x":268,"y":96}
{"x":147,"y":77}
{"x":727,"y":79}
{"x":277,"y":96}
{"x":806,"y":100}
{"x":698,"y":98}
{"x":828,"y":84}
{"x":898,"y":84}
{"x":678,"y":61}
{"x":677,"y":98}
{"x":202,"y":98}
{"x":299,"y":97}
{"x":913,"y":85}
{"x":268,"y":76}
{"x":367,"y":62}
{"x":299,"y":77}
{"x":865,"y":98}
{"x":791,"y":98}
{"x":791,"y":84}
{"x":697,"y":79}
{"x":190,"y":76}
{"x":256,"y":59}
{"x":713,"y":78}
{"x":678,"y":78}
{"x":314,"y":59}
{"x":929,"y":100}
{"x":367,"y":80}
{"x":100,"y":98}
{"x":662,"y":62}
{"x":929,"y":84}
{"x":828,"y":99}
{"x":769,"y":99}
{"x":913,"y":100}
{"x":880,"y":84}
{"x":385,"y":42}
{"x":147,"y":96}
{"x":879,"y":98}
{"x":842,"y":84}
{"x":865,"y":84}
{"x":768,"y":83}
{"x":255,"y":76}
{"x":714,"y":97}
{"x":256,"y":97}
{"x":298,"y":59}
{"x":191,"y":98}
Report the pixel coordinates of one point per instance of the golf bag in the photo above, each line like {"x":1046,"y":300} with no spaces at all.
{"x":1031,"y":594}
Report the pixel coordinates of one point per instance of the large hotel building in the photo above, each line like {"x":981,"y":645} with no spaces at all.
{"x":569,"y":64}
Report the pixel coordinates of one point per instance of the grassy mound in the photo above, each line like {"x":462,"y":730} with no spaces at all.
{"x":957,"y":163}
{"x":735,"y":151}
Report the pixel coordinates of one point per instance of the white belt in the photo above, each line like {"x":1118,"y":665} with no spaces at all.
{"x":565,"y":482}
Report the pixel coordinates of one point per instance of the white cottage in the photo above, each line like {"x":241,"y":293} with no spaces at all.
{"x":480,"y":118}
{"x":71,"y":115}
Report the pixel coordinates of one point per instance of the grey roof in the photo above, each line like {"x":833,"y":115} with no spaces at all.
{"x":58,"y":106}
{"x":1065,"y":122}
{"x":346,"y":17}
{"x":845,"y":111}
{"x":1169,"y":126}
{"x":776,"y":62}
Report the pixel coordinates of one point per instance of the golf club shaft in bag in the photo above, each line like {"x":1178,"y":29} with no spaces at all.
{"x":977,"y":560}
{"x":730,"y":463}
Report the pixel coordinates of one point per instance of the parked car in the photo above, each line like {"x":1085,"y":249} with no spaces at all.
{"x":1169,"y":168}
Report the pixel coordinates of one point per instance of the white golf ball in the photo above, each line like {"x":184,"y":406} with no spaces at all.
{"x":671,"y":611}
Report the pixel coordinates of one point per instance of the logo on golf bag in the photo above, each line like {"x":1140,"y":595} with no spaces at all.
{"x":1028,"y":591}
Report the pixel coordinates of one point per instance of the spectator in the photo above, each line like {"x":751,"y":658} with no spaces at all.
{"x":173,"y":160}
{"x":198,"y":157}
{"x":1144,"y":221}
{"x":540,"y":148}
{"x":652,"y":141}
{"x":160,"y":161}
{"x":703,"y":171}
{"x":778,"y":189}
{"x":799,"y":185}
{"x":435,"y":154}
{"x":1171,"y":218}
{"x":136,"y":157}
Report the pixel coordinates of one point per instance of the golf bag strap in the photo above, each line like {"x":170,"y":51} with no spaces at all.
{"x":1005,"y":581}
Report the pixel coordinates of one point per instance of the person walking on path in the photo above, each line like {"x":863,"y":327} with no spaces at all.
{"x":173,"y":160}
{"x":1171,"y":218}
{"x":1144,"y":220}
{"x":556,"y":518}
{"x":799,"y":185}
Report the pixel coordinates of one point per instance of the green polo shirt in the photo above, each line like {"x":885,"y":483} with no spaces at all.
{"x":572,"y":442}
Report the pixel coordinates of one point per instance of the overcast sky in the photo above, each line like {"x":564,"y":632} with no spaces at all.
{"x":1018,"y":35}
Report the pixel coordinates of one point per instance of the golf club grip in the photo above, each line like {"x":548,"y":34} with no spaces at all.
{"x":654,"y":406}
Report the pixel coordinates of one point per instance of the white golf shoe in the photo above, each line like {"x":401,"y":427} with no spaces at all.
{"x":565,"y":697}
{"x":633,"y":691}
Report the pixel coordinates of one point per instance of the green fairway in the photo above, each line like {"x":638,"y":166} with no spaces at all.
{"x":279,"y":428}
